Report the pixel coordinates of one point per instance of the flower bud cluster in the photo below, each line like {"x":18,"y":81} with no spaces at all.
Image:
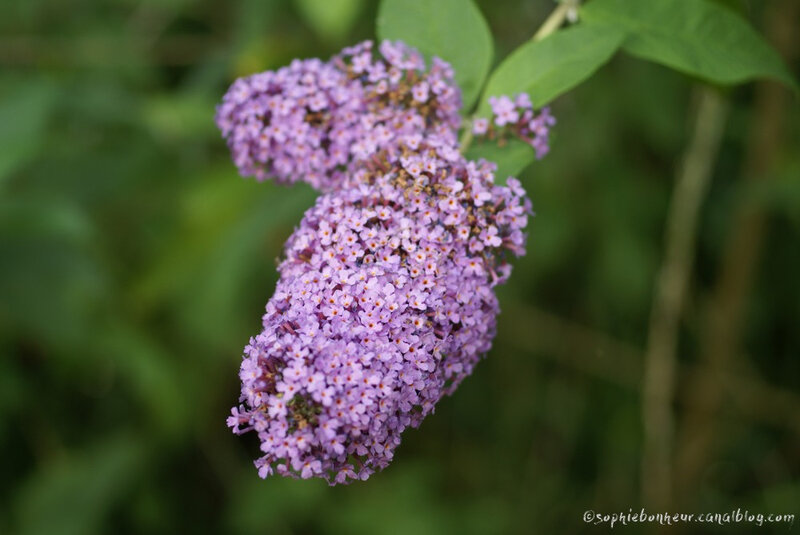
{"x":517,"y":117}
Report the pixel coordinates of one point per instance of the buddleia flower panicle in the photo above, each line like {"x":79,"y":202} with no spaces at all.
{"x":385,"y":303}
{"x":385,"y":300}
{"x":312,"y":120}
{"x":517,"y":118}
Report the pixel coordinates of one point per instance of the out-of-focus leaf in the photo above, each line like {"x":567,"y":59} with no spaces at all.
{"x":219,"y":244}
{"x":545,"y":69}
{"x":386,"y":500}
{"x":332,"y":19}
{"x":624,"y":268}
{"x":180,"y":117}
{"x":251,"y":17}
{"x":220,"y":283}
{"x":24,"y":109}
{"x":40,"y":215}
{"x":511,"y":158}
{"x":72,"y":495}
{"x":271,"y":508}
{"x":102,"y":101}
{"x":734,"y":5}
{"x":453,"y":30}
{"x":697,"y":37}
{"x":657,"y":126}
{"x":50,"y":281}
{"x":13,"y":390}
{"x":154,"y":376}
{"x":781,"y":194}
{"x":781,"y":498}
{"x":166,"y":5}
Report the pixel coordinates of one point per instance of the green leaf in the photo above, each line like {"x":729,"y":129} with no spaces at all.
{"x":453,"y":30}
{"x":224,"y":238}
{"x":153,"y":376}
{"x":545,"y":69}
{"x":51,"y":281}
{"x":73,"y":495}
{"x":511,"y":158}
{"x":734,"y":5}
{"x":24,"y":111}
{"x":696,"y":37}
{"x":178,"y":117}
{"x":331,"y":19}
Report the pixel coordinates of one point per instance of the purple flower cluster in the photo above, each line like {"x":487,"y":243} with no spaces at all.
{"x":386,"y":300}
{"x":384,"y":304}
{"x":314,"y":120}
{"x":518,"y":118}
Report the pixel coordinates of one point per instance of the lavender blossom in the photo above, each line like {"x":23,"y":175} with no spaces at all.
{"x":385,"y":303}
{"x":313,"y":120}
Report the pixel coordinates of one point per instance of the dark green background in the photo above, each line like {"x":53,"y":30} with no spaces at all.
{"x":135,"y":263}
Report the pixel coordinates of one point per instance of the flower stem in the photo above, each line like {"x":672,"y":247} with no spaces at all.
{"x":466,"y":135}
{"x":671,"y":292}
{"x":552,"y":23}
{"x":556,"y":19}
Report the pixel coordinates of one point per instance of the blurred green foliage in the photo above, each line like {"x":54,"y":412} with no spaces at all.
{"x":134,"y":265}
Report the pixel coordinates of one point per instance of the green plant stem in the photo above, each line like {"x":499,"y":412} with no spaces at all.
{"x":555,"y":20}
{"x":552,"y":23}
{"x":660,"y":359}
{"x":466,"y":136}
{"x":731,"y":298}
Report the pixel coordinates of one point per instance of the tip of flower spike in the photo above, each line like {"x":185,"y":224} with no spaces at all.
{"x":316,"y":121}
{"x":384,"y":305}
